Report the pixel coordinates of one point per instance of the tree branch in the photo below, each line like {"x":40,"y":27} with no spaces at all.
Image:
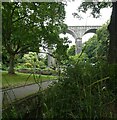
{"x":13,"y":10}
{"x":19,"y":19}
{"x":48,"y":54}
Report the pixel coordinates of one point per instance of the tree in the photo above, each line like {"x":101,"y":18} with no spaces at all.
{"x":97,"y":47}
{"x":32,"y":59}
{"x":112,"y":56}
{"x":71,"y":51}
{"x":112,"y":27}
{"x":90,"y":48}
{"x":26,"y":26}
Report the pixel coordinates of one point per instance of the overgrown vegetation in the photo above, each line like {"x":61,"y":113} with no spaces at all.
{"x":28,"y":26}
{"x":86,"y":88}
{"x":87,"y":83}
{"x":85,"y":95}
{"x":82,"y":93}
{"x":96,"y":47}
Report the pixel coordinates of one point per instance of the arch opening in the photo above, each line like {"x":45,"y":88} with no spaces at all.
{"x":71,"y":37}
{"x":88,"y":34}
{"x":72,"y":33}
{"x":90,"y":31}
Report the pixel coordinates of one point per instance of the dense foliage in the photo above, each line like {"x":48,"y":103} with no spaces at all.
{"x":95,"y":8}
{"x":28,"y":26}
{"x":32,"y":60}
{"x":87,"y":87}
{"x":97,"y":47}
{"x":85,"y":94}
{"x":71,"y":51}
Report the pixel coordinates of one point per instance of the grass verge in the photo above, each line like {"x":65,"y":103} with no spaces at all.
{"x":20,"y":79}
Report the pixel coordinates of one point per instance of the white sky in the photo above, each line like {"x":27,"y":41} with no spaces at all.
{"x":87,"y":18}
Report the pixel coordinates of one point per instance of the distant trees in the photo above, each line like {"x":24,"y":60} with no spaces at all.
{"x":97,"y":47}
{"x":112,"y":27}
{"x":28,"y":25}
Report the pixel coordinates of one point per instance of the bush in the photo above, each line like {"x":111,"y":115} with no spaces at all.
{"x":49,"y":71}
{"x":28,"y":65}
{"x":81,"y":94}
{"x":4,"y":67}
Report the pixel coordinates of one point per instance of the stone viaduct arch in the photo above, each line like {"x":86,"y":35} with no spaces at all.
{"x":78,"y":31}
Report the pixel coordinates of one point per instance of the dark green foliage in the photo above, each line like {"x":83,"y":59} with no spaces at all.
{"x":61,"y":50}
{"x":71,"y":51}
{"x":97,"y":47}
{"x":80,"y":94}
{"x":87,"y":88}
{"x":112,"y":83}
{"x":28,"y":26}
{"x":28,"y":108}
{"x":95,"y":7}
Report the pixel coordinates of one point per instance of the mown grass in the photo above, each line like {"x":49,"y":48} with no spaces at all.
{"x":20,"y":79}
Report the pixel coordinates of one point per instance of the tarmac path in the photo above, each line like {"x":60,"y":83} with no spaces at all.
{"x":10,"y":95}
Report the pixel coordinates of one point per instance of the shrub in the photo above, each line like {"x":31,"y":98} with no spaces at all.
{"x":4,"y":67}
{"x":28,"y":65}
{"x":81,"y":94}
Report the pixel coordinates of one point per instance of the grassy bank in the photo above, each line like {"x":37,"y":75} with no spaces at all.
{"x":20,"y":79}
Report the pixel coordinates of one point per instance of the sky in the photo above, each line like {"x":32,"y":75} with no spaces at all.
{"x":87,"y":19}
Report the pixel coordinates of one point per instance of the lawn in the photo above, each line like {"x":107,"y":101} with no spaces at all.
{"x":20,"y":79}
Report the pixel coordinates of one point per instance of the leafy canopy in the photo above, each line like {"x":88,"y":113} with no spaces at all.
{"x":93,"y":6}
{"x":26,"y":25}
{"x":71,"y":51}
{"x":97,"y":47}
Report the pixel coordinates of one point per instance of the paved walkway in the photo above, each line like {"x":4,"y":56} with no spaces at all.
{"x":21,"y":92}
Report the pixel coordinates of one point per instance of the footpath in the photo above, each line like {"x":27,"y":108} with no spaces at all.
{"x":11,"y":95}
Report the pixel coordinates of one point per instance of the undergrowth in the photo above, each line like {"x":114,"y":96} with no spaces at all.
{"x":84,"y":91}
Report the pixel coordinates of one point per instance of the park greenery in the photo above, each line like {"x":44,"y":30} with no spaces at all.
{"x":29,"y":26}
{"x":22,"y":79}
{"x":96,"y":47}
{"x":71,"y":51}
{"x":95,"y":8}
{"x":87,"y":82}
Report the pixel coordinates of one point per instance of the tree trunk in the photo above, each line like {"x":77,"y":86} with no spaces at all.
{"x":11,"y":65}
{"x":112,"y":56}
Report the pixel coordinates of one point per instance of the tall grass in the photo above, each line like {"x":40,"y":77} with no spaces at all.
{"x":81,"y":94}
